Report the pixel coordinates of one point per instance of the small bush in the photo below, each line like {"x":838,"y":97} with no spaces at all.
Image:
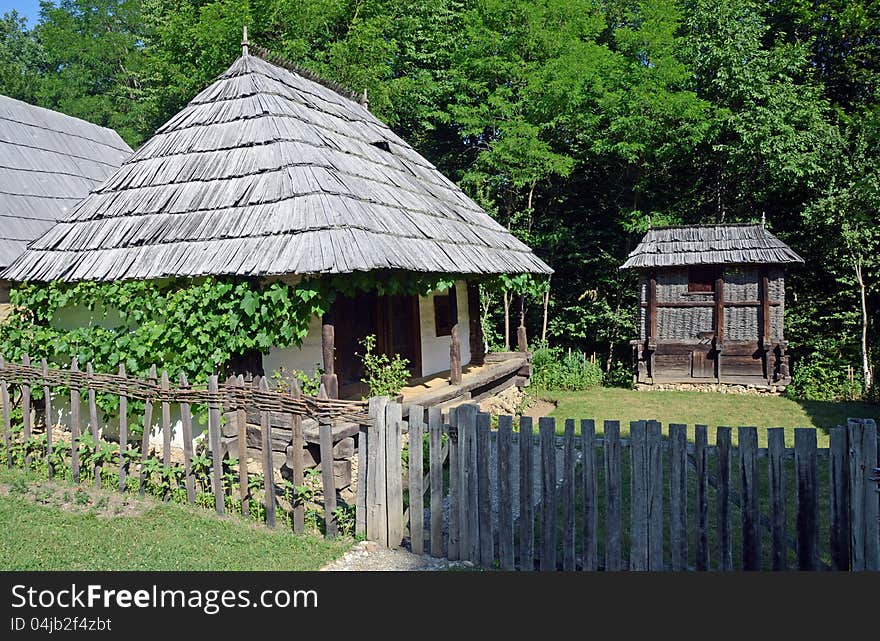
{"x":555,"y":370}
{"x":384,"y":375}
{"x":308,"y":384}
{"x":823,"y":380}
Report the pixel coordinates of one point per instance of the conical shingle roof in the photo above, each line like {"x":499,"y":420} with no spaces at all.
{"x":270,"y":172}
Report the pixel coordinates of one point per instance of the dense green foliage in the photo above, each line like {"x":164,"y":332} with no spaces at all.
{"x":573,"y":122}
{"x":384,"y":375}
{"x":555,"y":370}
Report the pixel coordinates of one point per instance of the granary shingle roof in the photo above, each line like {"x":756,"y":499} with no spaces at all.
{"x":48,"y":162}
{"x":270,"y":172}
{"x":707,"y":245}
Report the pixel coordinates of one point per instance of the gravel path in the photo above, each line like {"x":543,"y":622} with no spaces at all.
{"x":369,"y":557}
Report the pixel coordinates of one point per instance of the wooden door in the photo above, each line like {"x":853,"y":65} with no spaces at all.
{"x":399,"y":330}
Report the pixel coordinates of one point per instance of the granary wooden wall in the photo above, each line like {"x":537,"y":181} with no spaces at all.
{"x":741,"y":323}
{"x":4,"y":299}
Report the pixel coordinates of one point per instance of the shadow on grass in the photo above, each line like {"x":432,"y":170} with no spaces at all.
{"x":828,"y":414}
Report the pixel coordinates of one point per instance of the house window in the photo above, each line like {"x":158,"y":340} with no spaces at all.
{"x":443,"y":317}
{"x":701,"y":280}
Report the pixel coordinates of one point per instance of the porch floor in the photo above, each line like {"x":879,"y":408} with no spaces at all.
{"x":429,"y":391}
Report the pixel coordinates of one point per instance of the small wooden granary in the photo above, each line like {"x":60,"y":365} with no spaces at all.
{"x":711,"y":306}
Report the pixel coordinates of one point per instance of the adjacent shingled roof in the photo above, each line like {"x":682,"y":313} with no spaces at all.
{"x":708,"y":245}
{"x":270,"y":172}
{"x":48,"y":163}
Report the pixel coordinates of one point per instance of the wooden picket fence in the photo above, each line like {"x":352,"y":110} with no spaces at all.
{"x":18,"y":380}
{"x":484,"y":509}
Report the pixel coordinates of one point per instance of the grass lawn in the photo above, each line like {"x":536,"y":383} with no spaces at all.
{"x":54,"y":526}
{"x":705,"y":408}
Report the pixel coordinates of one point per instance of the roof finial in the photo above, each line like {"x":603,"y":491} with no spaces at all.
{"x":763,"y":219}
{"x":244,"y":41}
{"x":364,"y":101}
{"x":650,"y":221}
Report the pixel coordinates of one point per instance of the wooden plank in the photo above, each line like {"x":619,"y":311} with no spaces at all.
{"x":547,"y":430}
{"x":145,"y":437}
{"x":435,"y":443}
{"x":590,"y":496}
{"x":839,"y":498}
{"x":504,"y":483}
{"x":394,"y":472}
{"x":701,"y":456}
{"x":7,"y":415}
{"x":360,"y":509}
{"x":751,"y":506}
{"x":807,"y":473}
{"x":47,"y":417}
{"x":164,"y":384}
{"x":266,"y":451}
{"x":377,"y":511}
{"x":416,"y":484}
{"x":328,"y":483}
{"x":655,"y":497}
{"x":470,"y":508}
{"x":526,"y":496}
{"x":862,"y":436}
{"x":243,"y":483}
{"x":123,"y":429}
{"x":776,"y":476}
{"x":568,"y":480}
{"x":214,"y":440}
{"x":454,"y":357}
{"x":26,"y":414}
{"x":678,"y":529}
{"x":725,"y":550}
{"x":652,"y":308}
{"x":93,"y":419}
{"x":74,"y":426}
{"x":487,"y":539}
{"x":613,"y":498}
{"x":298,"y":443}
{"x":186,"y":426}
{"x":452,"y":547}
{"x":638,"y":529}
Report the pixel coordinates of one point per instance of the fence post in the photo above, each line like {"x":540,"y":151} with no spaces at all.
{"x":360,"y":508}
{"x":266,"y":451}
{"x":751,"y":506}
{"x":123,"y":428}
{"x":487,"y":539}
{"x":47,"y":404}
{"x":806,"y":471}
{"x":93,"y":418}
{"x":547,"y":429}
{"x":237,"y":383}
{"x":725,"y":551}
{"x":591,"y":496}
{"x":864,"y":545}
{"x":526,"y":496}
{"x":394,"y":472}
{"x":377,"y":511}
{"x":839,"y":499}
{"x":678,"y":532}
{"x":776,"y":475}
{"x":504,"y":484}
{"x":701,"y":457}
{"x":328,"y":482}
{"x":7,"y":411}
{"x":638,"y":533}
{"x":297,"y":444}
{"x":613,"y":498}
{"x":416,"y":479}
{"x":435,"y":444}
{"x":214,"y":437}
{"x":145,"y":438}
{"x":166,"y":428}
{"x":454,"y":545}
{"x":654,"y":469}
{"x":74,"y":421}
{"x":26,"y":413}
{"x":568,"y":563}
{"x":186,"y":425}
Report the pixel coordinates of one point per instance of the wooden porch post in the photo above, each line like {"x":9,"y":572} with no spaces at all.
{"x":455,"y":344}
{"x":719,"y":323}
{"x":478,"y":353}
{"x":328,"y":339}
{"x":522,"y":344}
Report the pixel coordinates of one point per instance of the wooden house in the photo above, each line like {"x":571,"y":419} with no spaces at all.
{"x":48,"y":162}
{"x":711,"y":306}
{"x":274,"y":173}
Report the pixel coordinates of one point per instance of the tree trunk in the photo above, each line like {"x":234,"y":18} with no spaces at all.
{"x":866,"y":365}
{"x":546,"y":305}
{"x":506,"y":321}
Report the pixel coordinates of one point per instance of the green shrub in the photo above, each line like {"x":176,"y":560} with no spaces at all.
{"x":553,"y":369}
{"x":384,"y":375}
{"x":821,"y":379}
{"x":308,"y":384}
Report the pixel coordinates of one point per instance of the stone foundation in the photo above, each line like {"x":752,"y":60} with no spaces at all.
{"x":722,"y":388}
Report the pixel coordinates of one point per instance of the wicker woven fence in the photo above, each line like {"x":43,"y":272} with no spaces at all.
{"x":32,"y":439}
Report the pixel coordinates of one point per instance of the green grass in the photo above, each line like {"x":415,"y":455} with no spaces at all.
{"x":162,"y":537}
{"x":704,"y":408}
